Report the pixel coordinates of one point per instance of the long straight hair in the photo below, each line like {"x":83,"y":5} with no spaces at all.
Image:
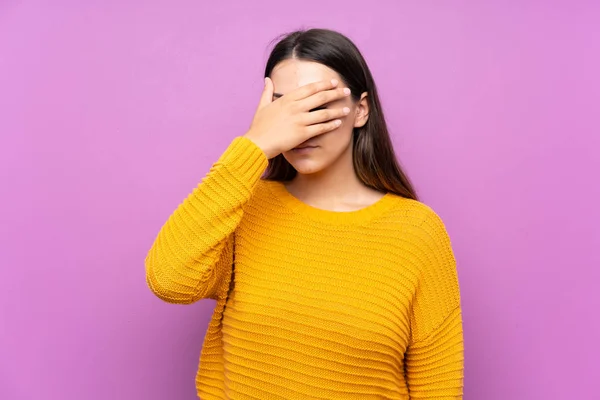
{"x":374,"y":160}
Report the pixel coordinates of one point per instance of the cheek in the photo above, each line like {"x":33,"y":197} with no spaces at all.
{"x":347,"y":125}
{"x":343,"y":134}
{"x":336,"y":142}
{"x":349,"y":120}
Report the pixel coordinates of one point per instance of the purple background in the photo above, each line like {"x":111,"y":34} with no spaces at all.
{"x":112,"y":111}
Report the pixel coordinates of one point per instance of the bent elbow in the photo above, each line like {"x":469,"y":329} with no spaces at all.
{"x":166,"y":288}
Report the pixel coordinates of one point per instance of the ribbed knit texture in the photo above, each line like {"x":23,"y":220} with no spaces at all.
{"x":310,"y":303}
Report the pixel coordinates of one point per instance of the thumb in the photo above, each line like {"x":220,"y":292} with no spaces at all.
{"x":267,"y":94}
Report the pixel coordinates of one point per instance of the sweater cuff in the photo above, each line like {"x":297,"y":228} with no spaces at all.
{"x":245,"y":160}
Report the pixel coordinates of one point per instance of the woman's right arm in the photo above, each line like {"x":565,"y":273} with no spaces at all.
{"x":192,"y":256}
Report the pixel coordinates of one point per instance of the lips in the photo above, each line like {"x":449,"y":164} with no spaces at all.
{"x":305,"y":145}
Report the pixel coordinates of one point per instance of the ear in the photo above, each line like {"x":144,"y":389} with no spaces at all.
{"x":362,"y":111}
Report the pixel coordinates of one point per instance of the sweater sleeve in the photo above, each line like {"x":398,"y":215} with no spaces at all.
{"x":434,"y":358}
{"x":192,"y":256}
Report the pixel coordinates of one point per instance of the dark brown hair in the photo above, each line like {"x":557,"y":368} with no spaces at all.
{"x":373,"y":155}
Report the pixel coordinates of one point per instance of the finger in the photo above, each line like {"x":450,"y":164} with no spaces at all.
{"x":312,"y":88}
{"x":324,"y":97}
{"x":267,"y":94}
{"x":319,"y":129}
{"x":316,"y":117}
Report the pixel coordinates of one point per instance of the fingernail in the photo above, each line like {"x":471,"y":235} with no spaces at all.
{"x":334,"y":82}
{"x":346,"y":91}
{"x":337,"y":122}
{"x":346,"y":110}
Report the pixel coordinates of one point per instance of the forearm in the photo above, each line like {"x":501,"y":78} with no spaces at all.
{"x":183,"y":263}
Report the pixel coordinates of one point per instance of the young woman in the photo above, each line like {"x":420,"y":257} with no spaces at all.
{"x":331,"y":280}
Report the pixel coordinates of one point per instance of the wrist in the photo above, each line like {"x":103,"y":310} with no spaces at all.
{"x":265,"y":149}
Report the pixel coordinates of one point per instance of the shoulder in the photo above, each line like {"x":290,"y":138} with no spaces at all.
{"x":422,"y":236}
{"x":263,"y":189}
{"x":262,"y":195}
{"x":416,"y":224}
{"x":415,"y":213}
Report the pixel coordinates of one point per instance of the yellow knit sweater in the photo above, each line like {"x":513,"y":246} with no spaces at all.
{"x":311,"y":303}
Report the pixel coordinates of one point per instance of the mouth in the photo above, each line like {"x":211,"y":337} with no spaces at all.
{"x":305,"y":145}
{"x":304,"y":148}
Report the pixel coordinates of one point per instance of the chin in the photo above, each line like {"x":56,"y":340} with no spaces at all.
{"x":306,"y":166}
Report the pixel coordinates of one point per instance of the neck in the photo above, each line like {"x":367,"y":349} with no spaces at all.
{"x":337,"y":183}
